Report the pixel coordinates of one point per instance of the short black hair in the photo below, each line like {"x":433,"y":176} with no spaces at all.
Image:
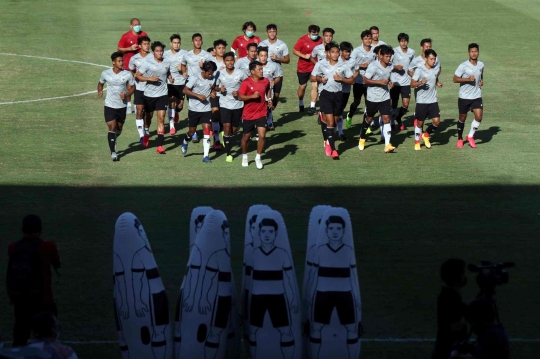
{"x":374,"y":28}
{"x":224,"y":225}
{"x":32,"y":223}
{"x":423,"y":41}
{"x":386,"y":50}
{"x":116,"y":55}
{"x":403,"y":36}
{"x":377,"y":49}
{"x":253,"y":219}
{"x":268,"y":222}
{"x":251,"y":44}
{"x":271,"y":27}
{"x":209,"y":65}
{"x":200,"y":218}
{"x":254,"y":64}
{"x":313,"y":28}
{"x":195,"y":35}
{"x":142,"y":39}
{"x":474,"y":45}
{"x":43,"y":324}
{"x":248,"y":24}
{"x":345,"y":46}
{"x":262,"y":48}
{"x":157,"y":44}
{"x":430,"y":52}
{"x":228,"y":54}
{"x":331,"y":45}
{"x":335,"y":219}
{"x":328,"y":29}
{"x":365,"y":33}
{"x":452,"y":270}
{"x":220,"y":42}
{"x":175,"y":36}
{"x":210,"y":49}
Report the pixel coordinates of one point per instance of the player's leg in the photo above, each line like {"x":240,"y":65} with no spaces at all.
{"x":277,"y":91}
{"x":313,"y":97}
{"x":357,"y":98}
{"x":138,"y":101}
{"x":394,"y":98}
{"x":344,"y":100}
{"x":207,"y":129}
{"x":386,"y":129}
{"x":111,"y":116}
{"x":477,"y":109}
{"x":247,"y":126}
{"x":193,"y":121}
{"x":405,"y":91}
{"x":433,"y":113}
{"x":216,"y":122}
{"x":302,"y":84}
{"x":420,"y":114}
{"x":160,"y":131}
{"x":370,"y":111}
{"x":261,"y":130}
{"x":171,"y":112}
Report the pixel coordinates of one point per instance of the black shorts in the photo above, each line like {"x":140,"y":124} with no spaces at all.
{"x":160,"y":307}
{"x":277,"y":87}
{"x":383,"y":108}
{"x":231,"y":116}
{"x":139,"y":97}
{"x":424,"y":111}
{"x":152,"y":104}
{"x":324,"y":305}
{"x":303,"y":77}
{"x":214,"y":102}
{"x":469,"y":105}
{"x":176,"y":91}
{"x":359,"y":90}
{"x":274,"y":304}
{"x":404,"y":91}
{"x":331,"y":102}
{"x":249,"y":125}
{"x":222,"y":311}
{"x":194,"y":118}
{"x":115,"y":114}
{"x":345,"y":99}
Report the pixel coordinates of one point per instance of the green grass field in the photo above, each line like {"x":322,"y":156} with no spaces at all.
{"x":410,"y":210}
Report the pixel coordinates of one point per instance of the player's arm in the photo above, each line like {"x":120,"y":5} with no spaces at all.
{"x":130,"y":85}
{"x":121,"y":45}
{"x":188,"y":90}
{"x":415,"y":80}
{"x":242,"y":93}
{"x":210,"y":274}
{"x":269,"y":96}
{"x":369,"y":81}
{"x":317,"y":75}
{"x":140,"y":75}
{"x":137,"y":276}
{"x":100,"y":85}
{"x":347,"y":77}
{"x":296,"y":51}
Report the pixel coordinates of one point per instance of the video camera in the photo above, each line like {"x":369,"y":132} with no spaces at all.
{"x":490,"y":275}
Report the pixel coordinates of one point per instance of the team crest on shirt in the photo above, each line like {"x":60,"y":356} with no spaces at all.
{"x":122,"y":79}
{"x":180,"y":58}
{"x":237,"y":79}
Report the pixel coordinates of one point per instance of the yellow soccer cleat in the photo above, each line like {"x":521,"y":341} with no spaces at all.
{"x":417,"y":146}
{"x":389,"y":148}
{"x":361,"y":144}
{"x":425,"y":137}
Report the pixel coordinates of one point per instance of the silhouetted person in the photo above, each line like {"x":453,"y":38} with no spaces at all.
{"x":46,"y":331}
{"x":451,"y":326}
{"x":29,"y":279}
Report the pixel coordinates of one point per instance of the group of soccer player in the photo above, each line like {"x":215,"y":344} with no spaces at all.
{"x":242,"y":87}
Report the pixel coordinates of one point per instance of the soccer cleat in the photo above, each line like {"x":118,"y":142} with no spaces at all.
{"x":176,"y":118}
{"x":402,"y":127}
{"x":327,"y":150}
{"x":471,"y":141}
{"x":389,"y":148}
{"x":206,"y":160}
{"x":160,"y":150}
{"x":312,"y":111}
{"x":348,"y":121}
{"x":229,"y":159}
{"x":194,"y":138}
{"x":184,"y":148}
{"x":172,"y":131}
{"x":114,"y":156}
{"x":300,"y":108}
{"x":259,"y":163}
{"x":217,"y":146}
{"x":361,"y":144}
{"x":335,"y":155}
{"x":368,"y":131}
{"x":459,"y":144}
{"x":417,"y":146}
{"x":145,"y":140}
{"x":343,"y":138}
{"x":425,"y":137}
{"x":244,"y":162}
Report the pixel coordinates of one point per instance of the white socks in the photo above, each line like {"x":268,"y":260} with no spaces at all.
{"x":257,"y":157}
{"x":140,"y":127}
{"x":387,"y":128}
{"x":206,"y":145}
{"x":417,"y":133}
{"x":340,"y":126}
{"x":312,"y":104}
{"x":245,"y":156}
{"x":474,"y":126}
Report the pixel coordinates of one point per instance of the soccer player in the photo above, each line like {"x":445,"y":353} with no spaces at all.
{"x":425,"y":44}
{"x":229,"y":106}
{"x":377,"y":79}
{"x":243,"y":62}
{"x":470,"y":77}
{"x":199,"y":89}
{"x":272,"y":289}
{"x":425,"y":82}
{"x":375,"y":37}
{"x":192,"y":62}
{"x":176,"y":89}
{"x":279,"y":53}
{"x":273,"y":73}
{"x":120,"y":85}
{"x":211,"y":51}
{"x":304,"y":49}
{"x":219,"y":50}
{"x":254,"y":91}
{"x":330,"y":75}
{"x":347,"y":61}
{"x":319,"y":52}
{"x":129,"y":45}
{"x":141,"y":120}
{"x":241,"y":42}
{"x":155,"y":71}
{"x":403,"y":55}
{"x":363,"y":55}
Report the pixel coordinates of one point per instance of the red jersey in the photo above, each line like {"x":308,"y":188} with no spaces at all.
{"x":48,"y":254}
{"x":255,"y":108}
{"x":305,"y":45}
{"x":240,"y":44}
{"x":127,"y":40}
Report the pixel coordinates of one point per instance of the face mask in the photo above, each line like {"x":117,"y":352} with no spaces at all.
{"x":137,"y":28}
{"x":249,"y":33}
{"x":314,"y":37}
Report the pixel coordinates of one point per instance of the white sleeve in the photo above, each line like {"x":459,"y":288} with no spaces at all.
{"x":102,"y":77}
